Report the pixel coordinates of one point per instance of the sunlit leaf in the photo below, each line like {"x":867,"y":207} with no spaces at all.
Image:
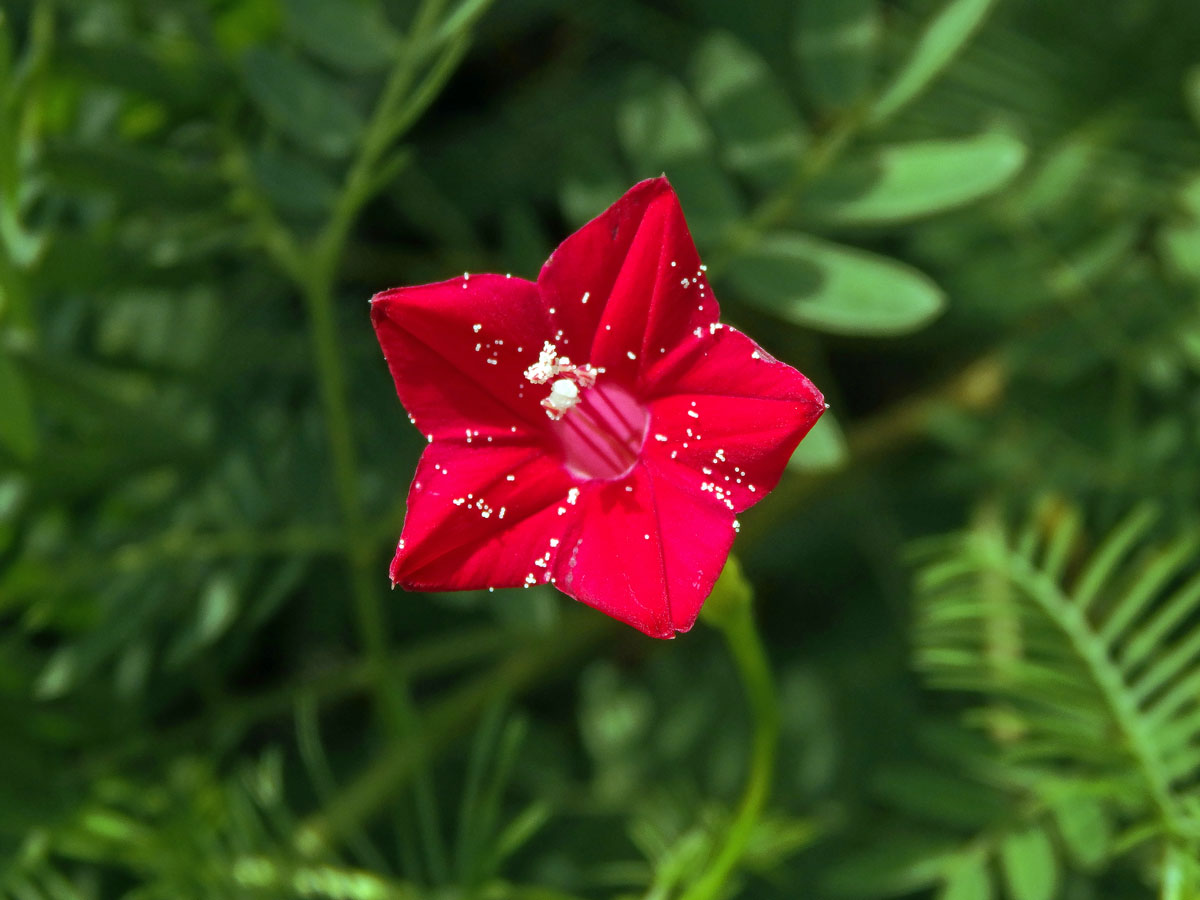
{"x":760,"y":134}
{"x":906,"y":181}
{"x":831,"y":287}
{"x":823,"y":449}
{"x":1085,"y":828}
{"x":462,"y":17}
{"x":1030,"y":869}
{"x":968,"y":880}
{"x":662,"y":131}
{"x":936,"y":47}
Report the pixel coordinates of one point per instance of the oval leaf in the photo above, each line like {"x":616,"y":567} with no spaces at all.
{"x":834,"y":288}
{"x":968,"y":880}
{"x":662,"y":131}
{"x":905,"y":181}
{"x":1029,"y":865}
{"x":835,"y":44}
{"x":1191,"y":91}
{"x":823,"y":448}
{"x":1085,"y":829}
{"x":761,"y":135}
{"x":352,"y":34}
{"x":945,"y":35}
{"x":302,"y":102}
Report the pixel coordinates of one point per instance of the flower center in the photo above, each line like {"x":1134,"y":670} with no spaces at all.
{"x":601,"y":427}
{"x":602,"y":434}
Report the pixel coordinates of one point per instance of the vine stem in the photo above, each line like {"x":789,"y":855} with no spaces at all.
{"x":315,"y":272}
{"x":731,"y":610}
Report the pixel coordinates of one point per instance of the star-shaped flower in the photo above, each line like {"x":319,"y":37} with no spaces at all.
{"x":597,"y":429}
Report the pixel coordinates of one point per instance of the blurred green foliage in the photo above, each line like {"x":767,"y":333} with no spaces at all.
{"x":974,"y":223}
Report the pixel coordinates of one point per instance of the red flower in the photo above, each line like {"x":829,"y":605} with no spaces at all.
{"x":597,"y":430}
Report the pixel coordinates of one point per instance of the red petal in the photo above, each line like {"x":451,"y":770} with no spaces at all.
{"x":647,"y":556}
{"x":635,"y":263}
{"x":458,"y":351}
{"x":731,"y":416}
{"x":448,"y":543}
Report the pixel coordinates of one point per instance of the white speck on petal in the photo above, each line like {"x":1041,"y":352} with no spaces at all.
{"x":476,"y":327}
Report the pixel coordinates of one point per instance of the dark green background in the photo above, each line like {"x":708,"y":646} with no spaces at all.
{"x":975,"y":225}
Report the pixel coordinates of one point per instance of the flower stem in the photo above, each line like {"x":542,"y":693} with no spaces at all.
{"x":403,"y":98}
{"x":733,"y":614}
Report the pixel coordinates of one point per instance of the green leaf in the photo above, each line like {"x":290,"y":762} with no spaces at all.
{"x":835,"y":43}
{"x":968,"y":880}
{"x":661,"y":131}
{"x":351,"y":34}
{"x":1191,"y":91}
{"x":302,"y":102}
{"x":184,"y":78}
{"x":291,"y":182}
{"x":1180,"y":246}
{"x":658,"y":124}
{"x":1030,"y":869}
{"x":18,"y":430}
{"x":761,"y":136}
{"x":159,"y":178}
{"x":464,"y":16}
{"x":937,"y":796}
{"x":216,"y":610}
{"x":1085,"y":829}
{"x":834,"y":288}
{"x":905,"y":181}
{"x":898,"y":865}
{"x":823,"y":449}
{"x":943,"y":38}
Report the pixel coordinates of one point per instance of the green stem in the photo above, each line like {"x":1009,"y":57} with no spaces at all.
{"x":396,"y":110}
{"x":736,"y":621}
{"x":317,"y":278}
{"x":376,"y":787}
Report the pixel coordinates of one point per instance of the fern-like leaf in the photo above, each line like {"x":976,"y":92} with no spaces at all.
{"x":1090,"y":656}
